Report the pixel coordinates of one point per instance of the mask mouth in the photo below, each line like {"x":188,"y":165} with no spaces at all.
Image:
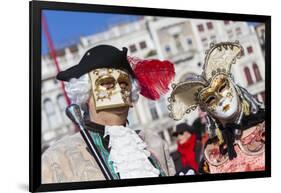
{"x":119,"y":110}
{"x":226,"y":107}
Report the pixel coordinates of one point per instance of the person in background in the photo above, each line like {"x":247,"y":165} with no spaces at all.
{"x":199,"y":128}
{"x":186,"y":141}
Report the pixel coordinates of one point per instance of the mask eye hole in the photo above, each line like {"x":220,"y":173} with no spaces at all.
{"x":107,"y":82}
{"x":222,"y":88}
{"x":123,"y":85}
{"x":210,"y":99}
{"x":123,"y":81}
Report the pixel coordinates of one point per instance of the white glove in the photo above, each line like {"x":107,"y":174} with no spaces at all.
{"x":188,"y":173}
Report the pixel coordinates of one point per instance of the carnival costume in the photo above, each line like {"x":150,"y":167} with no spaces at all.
{"x":124,"y":152}
{"x":235,"y":118}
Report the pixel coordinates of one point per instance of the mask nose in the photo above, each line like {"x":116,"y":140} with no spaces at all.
{"x":221,"y":102}
{"x":220,"y":99}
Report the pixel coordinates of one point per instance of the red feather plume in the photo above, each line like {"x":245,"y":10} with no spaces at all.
{"x":154,"y":76}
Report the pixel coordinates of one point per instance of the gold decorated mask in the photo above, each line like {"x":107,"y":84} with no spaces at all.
{"x":220,"y":97}
{"x":111,"y":88}
{"x":214,"y":89}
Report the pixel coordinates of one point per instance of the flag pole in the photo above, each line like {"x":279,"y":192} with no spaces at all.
{"x":53,"y":55}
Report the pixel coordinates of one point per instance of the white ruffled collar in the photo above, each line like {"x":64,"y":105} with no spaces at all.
{"x":128,"y":153}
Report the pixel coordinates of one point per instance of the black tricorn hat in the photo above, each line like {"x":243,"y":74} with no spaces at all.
{"x":182,"y":127}
{"x":102,"y":56}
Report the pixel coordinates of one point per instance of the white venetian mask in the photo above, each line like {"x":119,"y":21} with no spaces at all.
{"x":220,"y":98}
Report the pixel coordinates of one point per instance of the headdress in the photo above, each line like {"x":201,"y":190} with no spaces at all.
{"x":185,"y":95}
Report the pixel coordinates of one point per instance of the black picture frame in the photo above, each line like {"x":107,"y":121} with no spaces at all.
{"x":35,"y":8}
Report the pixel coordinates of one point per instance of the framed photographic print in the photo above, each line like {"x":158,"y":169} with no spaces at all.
{"x":126,"y":96}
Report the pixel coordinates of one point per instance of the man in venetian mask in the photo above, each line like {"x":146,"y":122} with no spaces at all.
{"x":235,"y":118}
{"x":105,"y":84}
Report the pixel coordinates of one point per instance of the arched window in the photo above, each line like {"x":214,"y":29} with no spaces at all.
{"x":248,"y":75}
{"x":257,"y":72}
{"x":52,"y":116}
{"x":132,"y":118}
{"x":49,"y":108}
{"x":153,"y":110}
{"x":162,"y":104}
{"x":210,"y":25}
{"x":61,"y":102}
{"x":200,"y":27}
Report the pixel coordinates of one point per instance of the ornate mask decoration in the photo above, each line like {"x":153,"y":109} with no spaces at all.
{"x":214,"y":91}
{"x":220,"y":98}
{"x":111,"y":88}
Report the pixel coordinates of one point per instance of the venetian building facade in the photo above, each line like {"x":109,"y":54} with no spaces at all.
{"x":175,"y":41}
{"x":55,"y":124}
{"x":182,"y":41}
{"x":260,"y":30}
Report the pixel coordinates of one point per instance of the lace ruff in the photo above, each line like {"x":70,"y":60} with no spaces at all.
{"x":129,"y":154}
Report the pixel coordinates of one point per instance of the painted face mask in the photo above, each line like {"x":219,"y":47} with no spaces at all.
{"x":111,"y":88}
{"x":220,"y":98}
{"x":213,"y":91}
